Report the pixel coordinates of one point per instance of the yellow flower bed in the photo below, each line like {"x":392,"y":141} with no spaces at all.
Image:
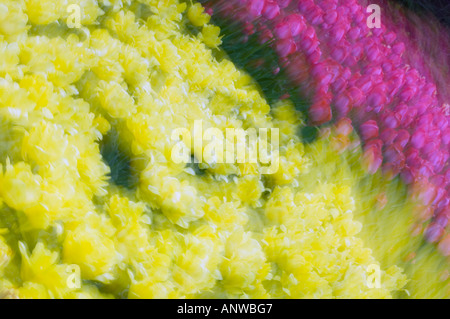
{"x":136,"y":68}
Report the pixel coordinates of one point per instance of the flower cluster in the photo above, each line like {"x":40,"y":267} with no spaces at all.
{"x":378,"y":78}
{"x":140,"y":69}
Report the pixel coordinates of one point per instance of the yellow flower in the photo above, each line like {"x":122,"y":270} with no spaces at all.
{"x":5,"y":255}
{"x":13,"y":20}
{"x":94,"y":252}
{"x":44,"y":12}
{"x":146,"y":289}
{"x":197,"y":16}
{"x":244,"y":262}
{"x":115,"y":100}
{"x":211,"y":36}
{"x":20,"y":188}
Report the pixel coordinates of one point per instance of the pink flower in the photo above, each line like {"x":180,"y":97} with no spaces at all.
{"x":283,"y":3}
{"x":369,"y":130}
{"x":296,"y":24}
{"x":372,"y":157}
{"x":434,"y":232}
{"x":320,"y":111}
{"x":282,"y":30}
{"x":418,"y":139}
{"x":285,"y":47}
{"x":256,"y":7}
{"x":344,"y":127}
{"x":271,"y":10}
{"x":444,"y":245}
